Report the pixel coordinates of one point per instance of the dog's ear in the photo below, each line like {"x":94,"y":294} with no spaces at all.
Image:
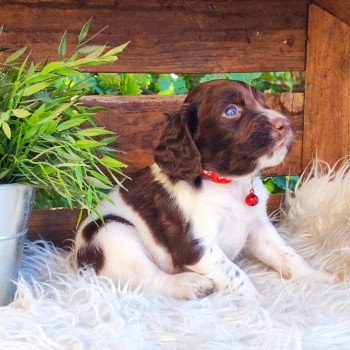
{"x":176,"y":153}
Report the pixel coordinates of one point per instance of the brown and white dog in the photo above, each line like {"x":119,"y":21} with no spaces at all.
{"x":178,"y":231}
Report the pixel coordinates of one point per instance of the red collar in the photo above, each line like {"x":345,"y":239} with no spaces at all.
{"x":251,"y":199}
{"x":215,"y":177}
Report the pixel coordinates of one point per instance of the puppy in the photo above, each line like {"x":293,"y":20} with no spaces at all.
{"x":184,"y":219}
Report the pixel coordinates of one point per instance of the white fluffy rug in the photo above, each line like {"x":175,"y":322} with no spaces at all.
{"x":56,"y":308}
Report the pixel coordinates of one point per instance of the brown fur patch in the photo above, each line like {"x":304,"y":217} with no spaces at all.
{"x":163,"y":217}
{"x":91,"y":255}
{"x":176,"y":154}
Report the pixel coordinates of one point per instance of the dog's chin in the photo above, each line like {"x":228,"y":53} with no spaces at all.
{"x":277,"y":155}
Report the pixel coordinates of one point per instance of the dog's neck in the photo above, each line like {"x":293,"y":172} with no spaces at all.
{"x":251,"y":199}
{"x":215,"y":177}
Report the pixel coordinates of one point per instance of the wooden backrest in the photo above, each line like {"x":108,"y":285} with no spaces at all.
{"x":193,"y":37}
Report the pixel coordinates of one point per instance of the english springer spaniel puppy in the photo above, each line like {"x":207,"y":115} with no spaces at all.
{"x":183,"y":220}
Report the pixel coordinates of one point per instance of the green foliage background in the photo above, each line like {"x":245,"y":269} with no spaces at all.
{"x":174,"y":84}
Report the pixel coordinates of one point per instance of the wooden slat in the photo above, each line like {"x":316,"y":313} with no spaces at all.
{"x":327,"y":94}
{"x":59,"y":225}
{"x":338,"y":8}
{"x":184,"y":36}
{"x":55,"y":225}
{"x":139,"y":121}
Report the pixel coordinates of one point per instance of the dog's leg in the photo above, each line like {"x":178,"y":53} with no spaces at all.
{"x":265,"y":243}
{"x":126,"y":260}
{"x":226,"y":276}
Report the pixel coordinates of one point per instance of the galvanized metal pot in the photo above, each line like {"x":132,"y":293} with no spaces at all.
{"x":15,"y":207}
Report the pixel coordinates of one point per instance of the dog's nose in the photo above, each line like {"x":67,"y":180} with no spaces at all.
{"x":281,"y":124}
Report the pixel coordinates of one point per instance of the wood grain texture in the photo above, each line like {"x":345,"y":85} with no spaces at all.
{"x":184,"y":36}
{"x":55,"y":225}
{"x":338,"y":8}
{"x":59,"y":225}
{"x":327,"y":93}
{"x":139,"y":121}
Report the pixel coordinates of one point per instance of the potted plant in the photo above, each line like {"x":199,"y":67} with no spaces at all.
{"x":48,"y":140}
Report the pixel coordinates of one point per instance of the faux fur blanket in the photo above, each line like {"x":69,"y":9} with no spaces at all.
{"x":56,"y":308}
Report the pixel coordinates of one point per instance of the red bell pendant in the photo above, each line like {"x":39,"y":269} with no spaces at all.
{"x":252,"y":199}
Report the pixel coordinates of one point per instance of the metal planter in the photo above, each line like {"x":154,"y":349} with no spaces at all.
{"x":15,"y":207}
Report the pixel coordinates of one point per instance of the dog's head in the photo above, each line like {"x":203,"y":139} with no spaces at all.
{"x":223,"y":126}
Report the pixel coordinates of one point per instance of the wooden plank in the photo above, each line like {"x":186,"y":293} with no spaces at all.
{"x":139,"y":121}
{"x":55,"y":225}
{"x":338,"y":8}
{"x":184,"y":36}
{"x":327,"y":94}
{"x":59,"y":225}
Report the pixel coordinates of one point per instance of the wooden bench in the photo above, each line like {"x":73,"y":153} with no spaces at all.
{"x":201,"y":37}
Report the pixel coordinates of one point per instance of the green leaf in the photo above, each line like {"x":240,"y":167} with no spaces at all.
{"x":90,"y":132}
{"x":20,"y":113}
{"x":275,"y":184}
{"x":32,"y":89}
{"x":70,"y":156}
{"x":31,"y":70}
{"x":108,"y":140}
{"x":96,"y":182}
{"x":4,"y":173}
{"x":91,"y":48}
{"x":70,"y":124}
{"x":116,"y":50}
{"x":72,"y":57}
{"x":51,"y":67}
{"x":112,"y":163}
{"x":269,"y":184}
{"x":82,"y":144}
{"x":55,"y":113}
{"x":280,"y":181}
{"x":4,"y":116}
{"x":101,"y":177}
{"x":68,"y":72}
{"x":79,"y":175}
{"x":96,"y":53}
{"x":15,"y":55}
{"x":37,"y":78}
{"x":62,"y":47}
{"x":53,"y":126}
{"x":84,"y":31}
{"x":6,"y":129}
{"x":37,"y":114}
{"x":31,"y":132}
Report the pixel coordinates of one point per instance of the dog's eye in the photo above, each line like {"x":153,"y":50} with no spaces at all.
{"x":231,"y":111}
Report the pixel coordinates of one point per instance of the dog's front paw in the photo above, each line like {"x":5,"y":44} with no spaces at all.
{"x":193,"y":285}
